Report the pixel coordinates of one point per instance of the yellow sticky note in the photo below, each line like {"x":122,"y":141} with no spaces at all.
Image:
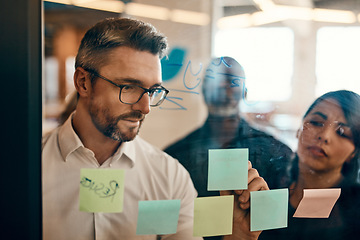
{"x":101,"y":190}
{"x":213,"y":216}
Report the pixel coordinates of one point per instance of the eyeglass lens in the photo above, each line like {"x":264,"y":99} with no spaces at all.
{"x":341,"y":129}
{"x":132,"y":94}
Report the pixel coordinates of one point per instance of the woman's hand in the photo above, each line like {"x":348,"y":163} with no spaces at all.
{"x":241,"y":217}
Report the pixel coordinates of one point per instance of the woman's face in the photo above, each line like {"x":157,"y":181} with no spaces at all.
{"x":325,"y":140}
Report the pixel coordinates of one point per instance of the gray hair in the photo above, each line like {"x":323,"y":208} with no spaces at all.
{"x":111,"y":33}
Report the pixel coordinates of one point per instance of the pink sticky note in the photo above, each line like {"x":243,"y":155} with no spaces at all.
{"x":317,"y":203}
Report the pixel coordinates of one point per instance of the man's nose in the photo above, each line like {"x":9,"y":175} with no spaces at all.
{"x":143,"y":105}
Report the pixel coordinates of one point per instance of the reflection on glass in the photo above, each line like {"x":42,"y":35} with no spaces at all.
{"x":327,"y":157}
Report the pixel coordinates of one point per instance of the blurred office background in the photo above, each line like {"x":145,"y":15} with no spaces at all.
{"x":292,"y":51}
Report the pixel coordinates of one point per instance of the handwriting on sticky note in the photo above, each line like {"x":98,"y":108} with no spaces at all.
{"x":228,"y":169}
{"x":317,"y":203}
{"x":158,"y":217}
{"x":268,"y":209}
{"x":213,"y":216}
{"x":101,"y":190}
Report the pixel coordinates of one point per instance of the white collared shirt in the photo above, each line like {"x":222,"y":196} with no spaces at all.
{"x":150,"y":174}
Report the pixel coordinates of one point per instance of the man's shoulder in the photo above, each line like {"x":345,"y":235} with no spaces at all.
{"x":155,"y":159}
{"x":49,"y":135}
{"x":261,"y":137}
{"x":184,"y":142}
{"x":149,"y":150}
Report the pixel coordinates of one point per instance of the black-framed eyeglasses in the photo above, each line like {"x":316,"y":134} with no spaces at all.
{"x":131,"y":94}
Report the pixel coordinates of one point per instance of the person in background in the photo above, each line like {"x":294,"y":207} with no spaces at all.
{"x":118,"y":80}
{"x":223,"y":88}
{"x":327,"y":157}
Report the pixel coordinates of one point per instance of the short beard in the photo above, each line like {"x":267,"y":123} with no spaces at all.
{"x":109,"y":126}
{"x":112,"y":131}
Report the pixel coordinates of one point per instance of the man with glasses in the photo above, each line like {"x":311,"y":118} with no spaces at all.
{"x":118,"y":80}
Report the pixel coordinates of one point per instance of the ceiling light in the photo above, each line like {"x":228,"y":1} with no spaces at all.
{"x":110,"y":5}
{"x":149,"y":11}
{"x":189,"y":17}
{"x":237,"y":21}
{"x":265,"y":4}
{"x":337,"y":16}
{"x":300,"y":13}
{"x":261,"y":18}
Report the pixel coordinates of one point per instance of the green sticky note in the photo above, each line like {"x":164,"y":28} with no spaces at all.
{"x":268,"y":209}
{"x":158,"y":217}
{"x":213,"y":216}
{"x":228,"y":169}
{"x":101,"y":190}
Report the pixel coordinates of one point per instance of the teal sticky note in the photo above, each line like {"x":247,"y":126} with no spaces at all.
{"x":158,"y":217}
{"x":172,"y":64}
{"x":228,"y":169}
{"x":268,"y":209}
{"x":101,"y":190}
{"x":213,"y":216}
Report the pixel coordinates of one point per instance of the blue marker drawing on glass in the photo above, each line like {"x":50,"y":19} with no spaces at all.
{"x":192,"y":80}
{"x":187,"y":81}
{"x":173,"y":100}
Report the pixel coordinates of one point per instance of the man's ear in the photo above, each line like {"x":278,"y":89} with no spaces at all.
{"x":82,"y":82}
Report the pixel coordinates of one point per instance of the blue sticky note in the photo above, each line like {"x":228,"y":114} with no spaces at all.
{"x":158,"y":217}
{"x":171,"y":65}
{"x":228,"y":169}
{"x":268,"y":209}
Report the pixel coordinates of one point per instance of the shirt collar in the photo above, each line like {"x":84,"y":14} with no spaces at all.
{"x":68,"y":140}
{"x":128,"y":149}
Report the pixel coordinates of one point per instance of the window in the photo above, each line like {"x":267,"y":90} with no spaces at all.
{"x":338,"y":59}
{"x":267,"y":57}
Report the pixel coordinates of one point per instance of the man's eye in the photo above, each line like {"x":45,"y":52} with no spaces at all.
{"x":155,"y":91}
{"x":129,"y":88}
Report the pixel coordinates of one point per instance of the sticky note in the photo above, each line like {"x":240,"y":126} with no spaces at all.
{"x":268,"y":209}
{"x":317,"y":203}
{"x":172,"y":64}
{"x":213,"y":216}
{"x":228,"y":169}
{"x":158,"y":217}
{"x":101,"y":190}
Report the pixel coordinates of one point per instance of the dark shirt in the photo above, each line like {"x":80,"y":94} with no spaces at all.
{"x":343,"y":222}
{"x":270,"y":157}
